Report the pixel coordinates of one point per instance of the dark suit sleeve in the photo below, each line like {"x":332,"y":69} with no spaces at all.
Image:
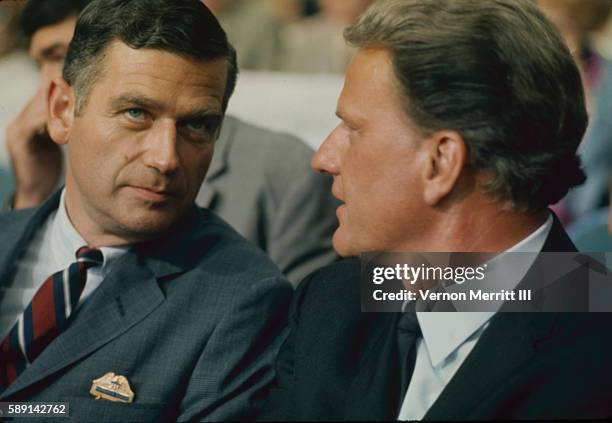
{"x":233,"y":375}
{"x":281,"y":402}
{"x":303,"y":222}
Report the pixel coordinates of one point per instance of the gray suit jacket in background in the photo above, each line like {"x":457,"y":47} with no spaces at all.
{"x":193,"y":321}
{"x":261,"y":183}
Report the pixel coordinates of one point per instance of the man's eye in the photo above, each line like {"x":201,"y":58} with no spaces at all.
{"x":135,"y":113}
{"x":200,"y":127}
{"x":197,"y":126}
{"x":57,"y":58}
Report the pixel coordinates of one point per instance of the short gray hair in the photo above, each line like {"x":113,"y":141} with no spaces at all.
{"x":498,"y":73}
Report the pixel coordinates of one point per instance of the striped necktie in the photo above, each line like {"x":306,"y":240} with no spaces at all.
{"x":46,"y":316}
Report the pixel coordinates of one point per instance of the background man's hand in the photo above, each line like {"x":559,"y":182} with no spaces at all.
{"x":36,"y":159}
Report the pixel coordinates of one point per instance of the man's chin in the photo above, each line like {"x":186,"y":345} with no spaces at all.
{"x":143,"y":226}
{"x":343,"y":246}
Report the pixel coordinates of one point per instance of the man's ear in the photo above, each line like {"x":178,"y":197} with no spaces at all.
{"x":447,"y":157}
{"x":60,"y":110}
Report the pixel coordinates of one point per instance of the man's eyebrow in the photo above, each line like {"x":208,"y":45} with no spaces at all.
{"x":202,"y":113}
{"x":350,"y":118}
{"x":126,"y":100}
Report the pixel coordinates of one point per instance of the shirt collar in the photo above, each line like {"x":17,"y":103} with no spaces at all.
{"x":66,"y":240}
{"x":444,"y":332}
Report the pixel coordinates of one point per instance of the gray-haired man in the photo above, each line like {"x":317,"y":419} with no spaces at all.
{"x":460,"y":123}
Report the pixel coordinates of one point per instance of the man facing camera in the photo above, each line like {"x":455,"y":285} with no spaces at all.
{"x":259,"y":180}
{"x":460,"y":121}
{"x":119,"y":288}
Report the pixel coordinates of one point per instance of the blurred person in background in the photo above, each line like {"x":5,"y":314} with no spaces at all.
{"x":315,"y":44}
{"x":603,"y":39}
{"x":577,"y":20}
{"x":289,"y":10}
{"x":12,"y":63}
{"x":259,"y":180}
{"x":36,"y":159}
{"x":253,"y":27}
{"x":10,"y":35}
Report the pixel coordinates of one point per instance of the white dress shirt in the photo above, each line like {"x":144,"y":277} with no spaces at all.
{"x":448,"y":338}
{"x":52,"y":249}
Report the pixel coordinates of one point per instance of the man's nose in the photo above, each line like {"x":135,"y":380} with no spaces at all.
{"x":326,"y":157}
{"x":161,"y":148}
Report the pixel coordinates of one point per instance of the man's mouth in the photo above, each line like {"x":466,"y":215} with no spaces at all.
{"x":336,"y":194}
{"x":152,"y":194}
{"x":340,"y":210}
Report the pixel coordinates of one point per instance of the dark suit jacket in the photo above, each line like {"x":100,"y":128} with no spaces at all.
{"x":261,"y":183}
{"x":339,"y":363}
{"x":192,"y":320}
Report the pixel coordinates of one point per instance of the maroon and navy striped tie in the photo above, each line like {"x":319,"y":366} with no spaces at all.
{"x":46,"y":316}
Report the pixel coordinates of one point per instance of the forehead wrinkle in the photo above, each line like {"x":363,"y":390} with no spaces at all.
{"x":370,"y":85}
{"x":142,"y":66}
{"x":184,"y":83}
{"x":177,"y":84}
{"x":148,"y":81}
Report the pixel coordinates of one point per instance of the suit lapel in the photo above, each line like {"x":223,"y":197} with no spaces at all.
{"x":127,"y":295}
{"x":507,"y":344}
{"x":557,"y":240}
{"x":377,"y":376}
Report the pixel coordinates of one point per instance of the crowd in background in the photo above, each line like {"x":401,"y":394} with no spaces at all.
{"x":305,"y":37}
{"x":302,"y":36}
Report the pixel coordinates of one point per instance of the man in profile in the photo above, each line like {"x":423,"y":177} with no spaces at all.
{"x":460,"y":121}
{"x":118,"y":287}
{"x":259,"y":180}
